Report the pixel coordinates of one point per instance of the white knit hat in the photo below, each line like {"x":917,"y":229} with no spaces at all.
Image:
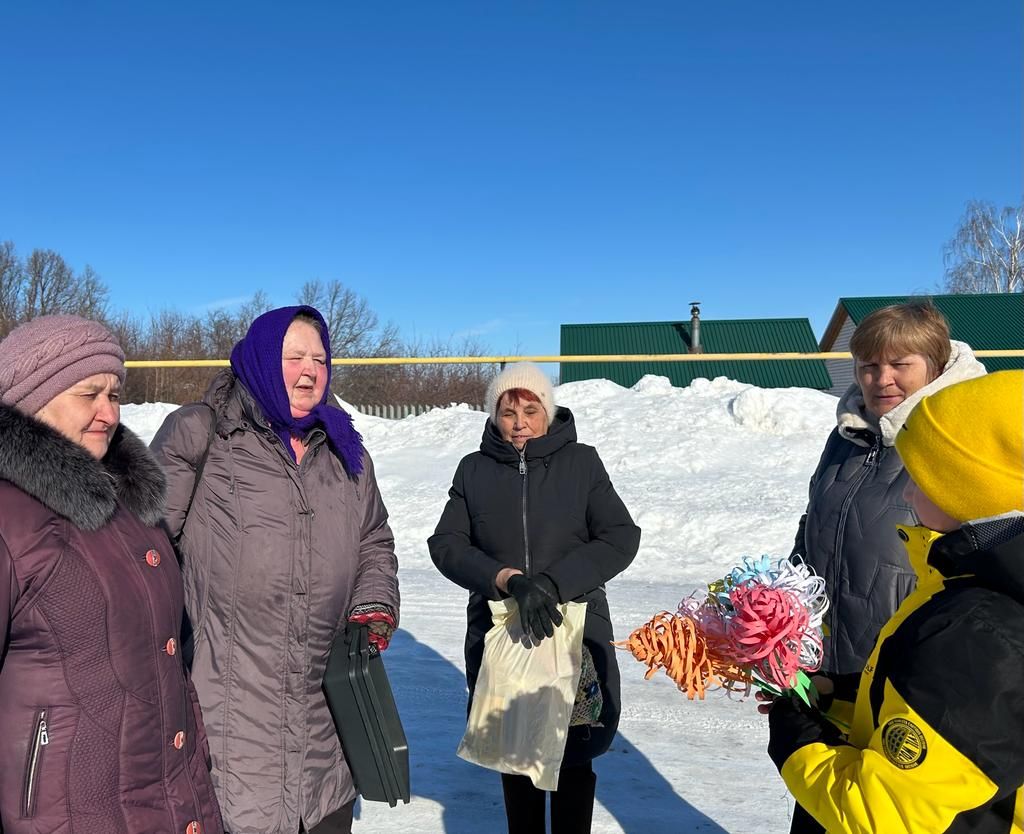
{"x":521,"y":375}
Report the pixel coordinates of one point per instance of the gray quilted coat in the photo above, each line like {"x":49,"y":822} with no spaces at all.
{"x":275,"y":556}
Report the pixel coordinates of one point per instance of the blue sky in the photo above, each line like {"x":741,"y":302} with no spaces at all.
{"x":503,"y":167}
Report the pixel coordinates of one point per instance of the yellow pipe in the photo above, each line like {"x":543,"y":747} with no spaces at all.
{"x":177,"y":363}
{"x":490,"y":360}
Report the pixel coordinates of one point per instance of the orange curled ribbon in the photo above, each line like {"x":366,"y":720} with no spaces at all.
{"x":675,"y":643}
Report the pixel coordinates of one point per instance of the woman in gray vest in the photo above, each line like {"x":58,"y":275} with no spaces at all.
{"x":848,"y":534}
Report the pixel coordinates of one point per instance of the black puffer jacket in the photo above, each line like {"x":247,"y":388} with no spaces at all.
{"x":553,"y":511}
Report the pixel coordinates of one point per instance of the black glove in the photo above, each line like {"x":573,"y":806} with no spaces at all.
{"x":538,"y":604}
{"x":792,"y":725}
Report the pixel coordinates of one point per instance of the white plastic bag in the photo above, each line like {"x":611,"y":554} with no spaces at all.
{"x":524,"y":694}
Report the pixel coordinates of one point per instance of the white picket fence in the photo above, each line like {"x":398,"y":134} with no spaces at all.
{"x":398,"y":412}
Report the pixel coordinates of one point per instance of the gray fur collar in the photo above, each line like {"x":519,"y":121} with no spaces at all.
{"x":72,"y":483}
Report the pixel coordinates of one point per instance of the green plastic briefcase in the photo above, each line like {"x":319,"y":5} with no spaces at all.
{"x":359,"y":697}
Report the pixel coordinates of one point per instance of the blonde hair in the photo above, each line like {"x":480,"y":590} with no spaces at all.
{"x":901,"y":329}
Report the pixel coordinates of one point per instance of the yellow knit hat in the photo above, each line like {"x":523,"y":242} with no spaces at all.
{"x":963,"y":446}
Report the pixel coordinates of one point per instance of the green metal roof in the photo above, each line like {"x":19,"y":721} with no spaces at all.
{"x":727,"y":336}
{"x":992,"y":321}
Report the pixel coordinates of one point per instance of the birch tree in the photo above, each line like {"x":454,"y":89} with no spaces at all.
{"x":987,"y":252}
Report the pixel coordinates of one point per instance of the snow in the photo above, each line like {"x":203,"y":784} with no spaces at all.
{"x":711,"y":473}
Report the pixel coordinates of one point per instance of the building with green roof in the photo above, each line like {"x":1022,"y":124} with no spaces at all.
{"x":714,"y":336}
{"x":989,"y":321}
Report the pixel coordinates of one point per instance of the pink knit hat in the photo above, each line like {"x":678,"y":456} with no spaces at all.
{"x":47,"y":355}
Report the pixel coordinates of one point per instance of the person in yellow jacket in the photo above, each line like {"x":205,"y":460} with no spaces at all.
{"x":937,"y":738}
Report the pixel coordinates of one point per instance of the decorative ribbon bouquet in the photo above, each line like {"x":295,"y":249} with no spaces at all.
{"x":761,"y":625}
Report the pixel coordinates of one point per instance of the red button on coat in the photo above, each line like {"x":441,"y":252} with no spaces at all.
{"x":193,"y":828}
{"x":179,"y":739}
{"x":152,"y":558}
{"x":171,"y":647}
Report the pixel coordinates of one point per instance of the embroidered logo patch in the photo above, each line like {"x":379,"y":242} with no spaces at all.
{"x":904,"y":743}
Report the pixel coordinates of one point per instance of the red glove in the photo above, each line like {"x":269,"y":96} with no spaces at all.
{"x":380,"y":620}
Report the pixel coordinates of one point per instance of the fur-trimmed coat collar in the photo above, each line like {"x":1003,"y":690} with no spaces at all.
{"x":69,"y":481}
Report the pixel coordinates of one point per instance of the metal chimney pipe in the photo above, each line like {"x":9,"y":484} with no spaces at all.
{"x":695,"y":345}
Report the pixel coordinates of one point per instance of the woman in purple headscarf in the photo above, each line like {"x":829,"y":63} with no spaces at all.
{"x":284,"y":539}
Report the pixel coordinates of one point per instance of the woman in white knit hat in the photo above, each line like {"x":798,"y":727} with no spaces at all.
{"x":533,"y":515}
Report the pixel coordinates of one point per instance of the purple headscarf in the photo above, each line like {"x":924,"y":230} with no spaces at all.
{"x":256,"y":361}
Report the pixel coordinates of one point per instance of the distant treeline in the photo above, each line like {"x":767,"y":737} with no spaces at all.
{"x":43,"y":283}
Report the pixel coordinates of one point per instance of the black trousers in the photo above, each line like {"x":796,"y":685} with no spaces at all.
{"x":340,"y":822}
{"x":572,"y":805}
{"x":804,"y":823}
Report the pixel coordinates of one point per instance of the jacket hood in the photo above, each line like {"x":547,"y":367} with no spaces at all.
{"x":219,"y":390}
{"x":233,"y":404}
{"x":992,"y":550}
{"x":70,"y":482}
{"x":561,"y":432}
{"x":857,"y":426}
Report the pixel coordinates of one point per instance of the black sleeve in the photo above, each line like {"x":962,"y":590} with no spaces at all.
{"x":797,"y":553}
{"x":614,"y":540}
{"x":792,"y":725}
{"x":452,"y":550}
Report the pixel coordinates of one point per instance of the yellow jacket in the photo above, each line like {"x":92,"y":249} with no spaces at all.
{"x":937,"y":739}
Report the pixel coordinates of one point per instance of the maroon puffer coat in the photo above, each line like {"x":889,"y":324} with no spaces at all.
{"x":100,"y":731}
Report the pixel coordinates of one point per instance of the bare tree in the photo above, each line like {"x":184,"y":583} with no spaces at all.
{"x":130,"y":334}
{"x":355,"y":329}
{"x":51,"y":286}
{"x":253,"y":308}
{"x":12,"y":275}
{"x":169,"y":334}
{"x":422,"y":384}
{"x":90,"y":298}
{"x":987,"y":252}
{"x":222,"y":329}
{"x":44,"y":283}
{"x":355,"y":332}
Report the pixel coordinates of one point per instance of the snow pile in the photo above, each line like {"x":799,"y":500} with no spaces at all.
{"x":711,"y":473}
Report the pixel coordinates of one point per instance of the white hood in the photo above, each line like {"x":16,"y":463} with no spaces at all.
{"x":853,"y":418}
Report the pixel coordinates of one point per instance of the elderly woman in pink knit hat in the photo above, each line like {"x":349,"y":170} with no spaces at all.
{"x":533,"y":516}
{"x":100,"y":728}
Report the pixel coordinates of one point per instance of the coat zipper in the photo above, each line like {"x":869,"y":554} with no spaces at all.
{"x":869,"y":462}
{"x":40,"y":738}
{"x":526,"y":533}
{"x":872,"y":453}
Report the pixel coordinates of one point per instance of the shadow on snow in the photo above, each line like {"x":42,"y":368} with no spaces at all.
{"x":431,"y":695}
